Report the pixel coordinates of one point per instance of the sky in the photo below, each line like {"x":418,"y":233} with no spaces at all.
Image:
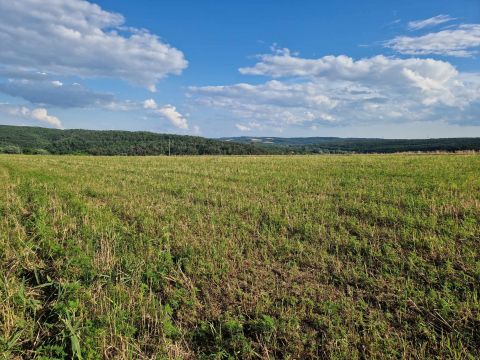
{"x":378,"y":68}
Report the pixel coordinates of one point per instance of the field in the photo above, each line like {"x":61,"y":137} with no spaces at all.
{"x":334,"y":257}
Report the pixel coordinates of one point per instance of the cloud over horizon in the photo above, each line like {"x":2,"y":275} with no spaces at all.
{"x":339,"y":90}
{"x":170,"y":113}
{"x":37,"y":114}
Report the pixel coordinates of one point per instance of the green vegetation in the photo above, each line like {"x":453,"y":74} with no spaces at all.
{"x":314,"y":145}
{"x":35,"y":140}
{"x":335,"y":257}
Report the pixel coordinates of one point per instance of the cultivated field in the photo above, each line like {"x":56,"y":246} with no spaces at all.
{"x":342,"y":257}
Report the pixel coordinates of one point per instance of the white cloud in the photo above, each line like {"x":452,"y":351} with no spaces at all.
{"x":433,"y":21}
{"x":272,"y":92}
{"x":375,"y":69}
{"x":119,"y":105}
{"x":78,"y":38}
{"x":339,"y":90}
{"x":17,"y":111}
{"x":57,"y":83}
{"x":462,"y":41}
{"x":37,"y":114}
{"x":327,"y":117}
{"x":41,"y":114}
{"x":273,"y":102}
{"x":170,"y":113}
{"x":252,"y":125}
{"x":242,"y":127}
{"x":150,"y":104}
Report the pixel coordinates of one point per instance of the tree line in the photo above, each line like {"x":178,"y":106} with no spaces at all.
{"x":36,"y":140}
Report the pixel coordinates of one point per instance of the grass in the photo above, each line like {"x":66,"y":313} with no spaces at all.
{"x":334,"y":257}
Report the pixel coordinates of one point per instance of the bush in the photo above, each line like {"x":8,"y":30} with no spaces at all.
{"x":11,"y":149}
{"x":38,"y":152}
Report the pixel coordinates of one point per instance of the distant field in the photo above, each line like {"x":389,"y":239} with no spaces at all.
{"x":333,"y":257}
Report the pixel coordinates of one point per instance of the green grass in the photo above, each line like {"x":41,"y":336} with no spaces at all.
{"x":336,"y":257}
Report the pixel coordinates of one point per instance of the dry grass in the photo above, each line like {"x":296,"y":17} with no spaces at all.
{"x":341,"y":257}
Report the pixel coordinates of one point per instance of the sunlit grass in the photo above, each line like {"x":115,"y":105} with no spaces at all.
{"x":363,"y":256}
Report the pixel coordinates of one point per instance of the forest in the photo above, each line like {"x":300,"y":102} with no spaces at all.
{"x":36,"y":140}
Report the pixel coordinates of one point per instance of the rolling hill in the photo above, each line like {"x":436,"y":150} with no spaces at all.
{"x":307,"y":145}
{"x":37,"y":140}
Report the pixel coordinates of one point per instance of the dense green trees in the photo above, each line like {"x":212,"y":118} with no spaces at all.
{"x":313,"y":145}
{"x":35,"y":140}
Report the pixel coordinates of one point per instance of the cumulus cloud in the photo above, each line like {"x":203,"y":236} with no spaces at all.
{"x":149,"y":104}
{"x":272,"y":92}
{"x":37,"y":114}
{"x":433,"y":21}
{"x":274,"y":101}
{"x":374,"y":69}
{"x":41,"y":114}
{"x":78,"y":38}
{"x":461,"y":41}
{"x":170,"y":113}
{"x":339,"y":90}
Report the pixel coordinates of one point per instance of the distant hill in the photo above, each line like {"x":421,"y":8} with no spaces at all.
{"x":36,"y":140}
{"x":290,"y":141}
{"x":360,"y":145}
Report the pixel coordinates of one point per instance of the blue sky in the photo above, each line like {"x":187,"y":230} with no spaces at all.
{"x":393,"y":69}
